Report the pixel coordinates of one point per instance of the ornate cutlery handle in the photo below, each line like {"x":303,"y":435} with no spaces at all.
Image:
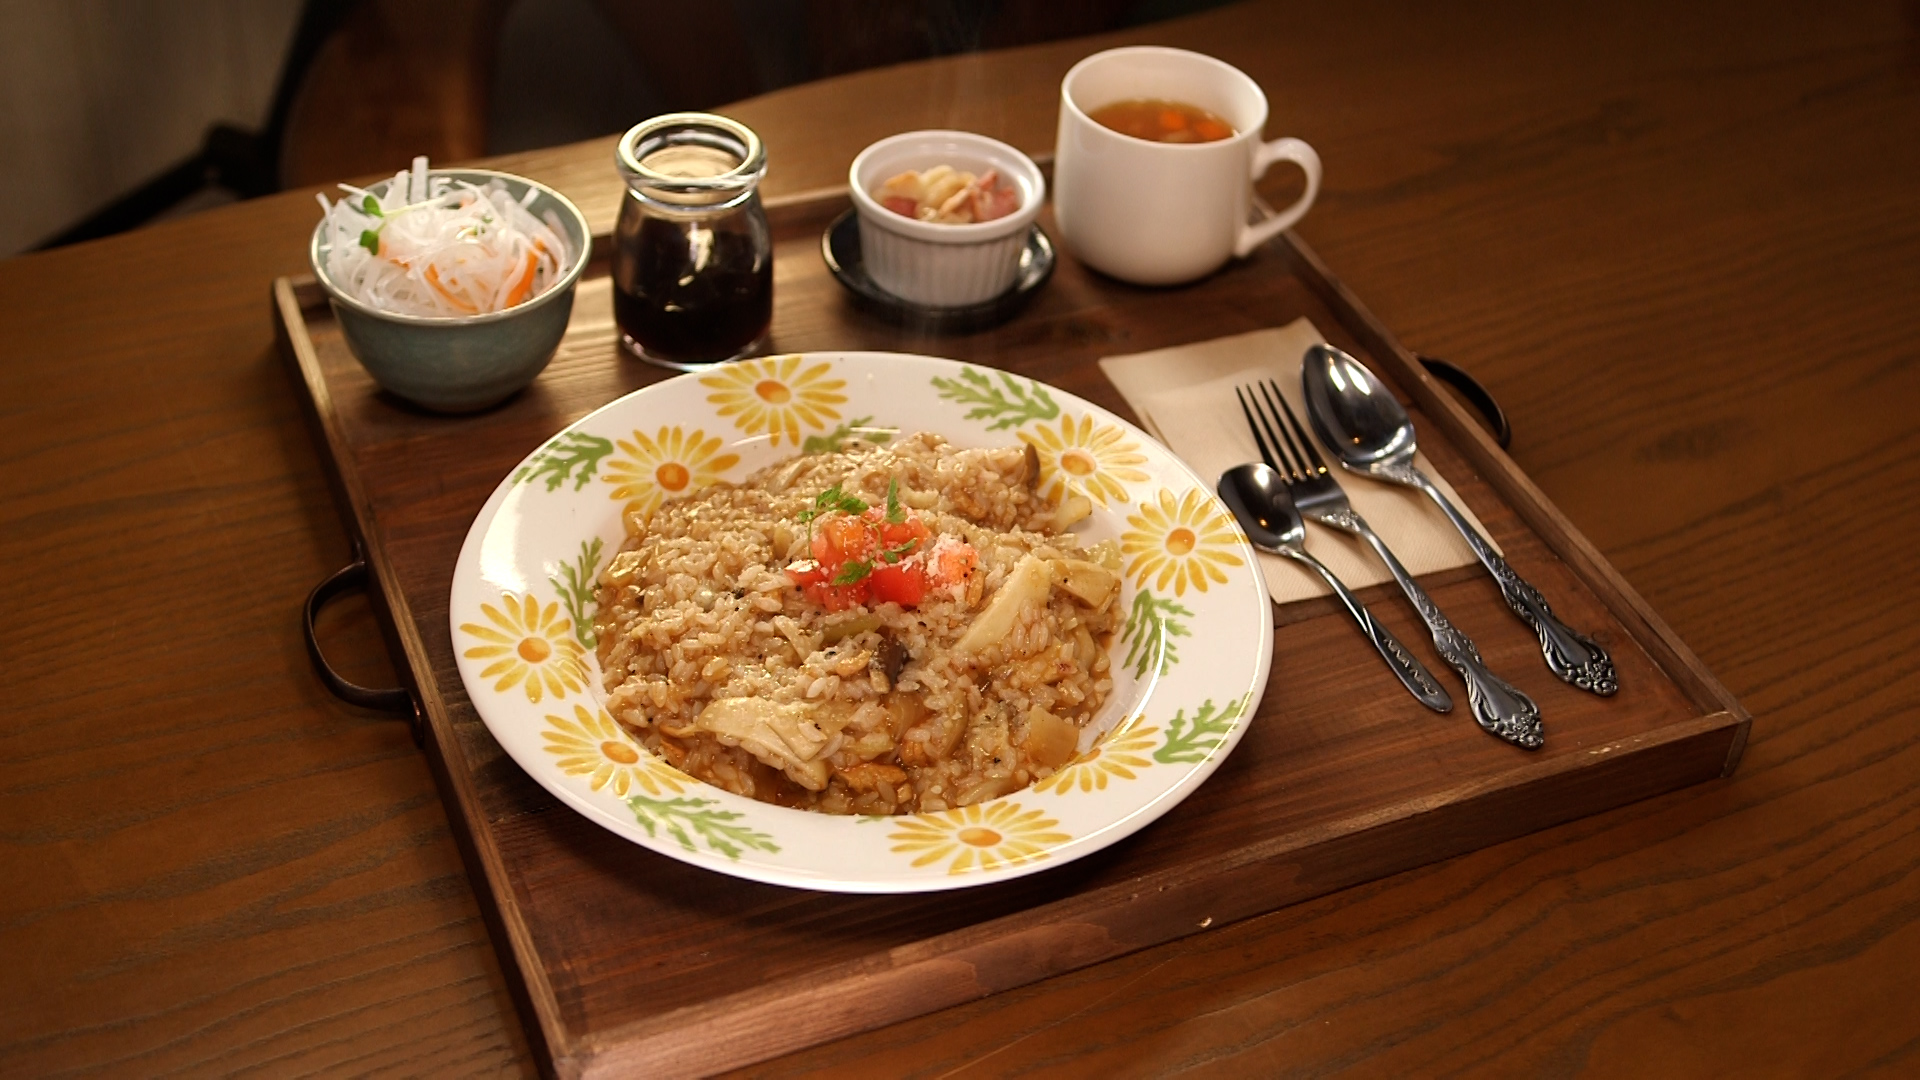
{"x":1498,"y":706}
{"x":1405,"y":666}
{"x":1570,"y":655}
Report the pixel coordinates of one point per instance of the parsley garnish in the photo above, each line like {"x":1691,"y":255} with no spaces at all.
{"x":852,"y":572}
{"x":825,"y":503}
{"x":833,"y":499}
{"x":896,"y":515}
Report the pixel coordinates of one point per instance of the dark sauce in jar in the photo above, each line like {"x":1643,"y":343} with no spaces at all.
{"x":692,"y":252}
{"x":693,"y":292}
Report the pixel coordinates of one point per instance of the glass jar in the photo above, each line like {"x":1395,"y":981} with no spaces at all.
{"x":692,"y":254}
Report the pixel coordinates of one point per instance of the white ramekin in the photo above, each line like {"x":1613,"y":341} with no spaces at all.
{"x":943,"y":265}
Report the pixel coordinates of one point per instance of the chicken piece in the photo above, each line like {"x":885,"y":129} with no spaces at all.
{"x":872,"y":776}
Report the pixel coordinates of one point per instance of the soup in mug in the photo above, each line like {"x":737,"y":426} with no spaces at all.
{"x":1162,"y":121}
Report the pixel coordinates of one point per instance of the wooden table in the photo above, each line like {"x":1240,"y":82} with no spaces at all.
{"x":1680,"y":242}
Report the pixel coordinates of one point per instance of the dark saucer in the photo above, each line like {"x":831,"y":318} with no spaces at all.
{"x":840,"y":247}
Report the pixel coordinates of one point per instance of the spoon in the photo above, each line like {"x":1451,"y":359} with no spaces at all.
{"x":1264,"y":508}
{"x":1359,"y":420}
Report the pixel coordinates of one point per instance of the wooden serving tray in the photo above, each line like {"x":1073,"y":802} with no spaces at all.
{"x":625,"y":961}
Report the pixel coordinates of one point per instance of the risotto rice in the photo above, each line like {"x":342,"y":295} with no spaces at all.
{"x":876,"y":630}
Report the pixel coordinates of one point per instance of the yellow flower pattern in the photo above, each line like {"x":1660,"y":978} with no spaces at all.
{"x":1118,"y":756}
{"x":669,"y":464}
{"x":1178,"y":542}
{"x":776,"y":396}
{"x":1093,"y":459}
{"x":593,"y":745}
{"x":530,"y":646}
{"x":992,"y":836}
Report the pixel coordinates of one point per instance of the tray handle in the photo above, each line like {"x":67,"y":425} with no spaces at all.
{"x":397,"y":700}
{"x":1477,"y":395}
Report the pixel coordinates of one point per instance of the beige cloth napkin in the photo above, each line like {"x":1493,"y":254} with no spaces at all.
{"x":1185,"y":395}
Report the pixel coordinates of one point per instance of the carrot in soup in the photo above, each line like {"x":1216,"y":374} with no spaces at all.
{"x":1162,"y":121}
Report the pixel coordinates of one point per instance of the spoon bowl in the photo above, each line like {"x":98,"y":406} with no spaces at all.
{"x":1353,"y":412}
{"x":1264,"y":507}
{"x":1357,"y":417}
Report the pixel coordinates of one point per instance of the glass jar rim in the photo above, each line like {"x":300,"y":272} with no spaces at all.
{"x":708,"y":129}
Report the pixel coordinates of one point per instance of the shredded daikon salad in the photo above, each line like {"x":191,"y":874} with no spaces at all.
{"x":436,"y":246}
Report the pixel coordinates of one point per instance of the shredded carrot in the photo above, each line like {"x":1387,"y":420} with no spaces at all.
{"x":525,"y":284}
{"x":433,"y":279}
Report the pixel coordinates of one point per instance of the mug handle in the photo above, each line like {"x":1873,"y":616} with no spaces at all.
{"x":1252,"y":236}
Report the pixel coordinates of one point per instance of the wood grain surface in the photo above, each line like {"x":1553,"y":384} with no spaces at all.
{"x":1680,"y":242}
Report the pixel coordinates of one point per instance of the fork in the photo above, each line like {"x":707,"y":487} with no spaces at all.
{"x":1498,"y":706}
{"x":1264,"y":507}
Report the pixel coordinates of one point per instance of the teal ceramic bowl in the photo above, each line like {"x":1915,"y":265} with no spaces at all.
{"x":465,"y":363}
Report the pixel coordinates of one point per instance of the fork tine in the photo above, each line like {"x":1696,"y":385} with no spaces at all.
{"x":1266,"y":453}
{"x":1296,"y":461}
{"x":1263,"y":433}
{"x":1313,"y":452}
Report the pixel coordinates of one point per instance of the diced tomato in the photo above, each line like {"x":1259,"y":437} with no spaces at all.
{"x":816,"y":581}
{"x":913,"y":530}
{"x":838,"y":538}
{"x":903,"y":583}
{"x":807,"y":572}
{"x":837,"y":597}
{"x":885,"y":548}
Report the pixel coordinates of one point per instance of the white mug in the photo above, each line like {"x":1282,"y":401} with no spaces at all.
{"x":1164,"y":213}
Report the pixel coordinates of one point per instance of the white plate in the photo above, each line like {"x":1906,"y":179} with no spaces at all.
{"x":1190,"y":664}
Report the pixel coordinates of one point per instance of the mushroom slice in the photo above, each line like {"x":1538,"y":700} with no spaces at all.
{"x":791,"y":736}
{"x":1025,"y":586}
{"x":889,"y":659}
{"x":1050,"y":741}
{"x":1073,"y":509}
{"x":1088,"y":582}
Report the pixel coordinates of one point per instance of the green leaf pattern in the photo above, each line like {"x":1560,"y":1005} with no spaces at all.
{"x":1190,"y":741}
{"x":1012,"y":403}
{"x":683,"y":819}
{"x":574,"y":454}
{"x":575,"y":584}
{"x":1149,"y":633}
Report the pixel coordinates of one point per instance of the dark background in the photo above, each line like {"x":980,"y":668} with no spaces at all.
{"x":367,"y":84}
